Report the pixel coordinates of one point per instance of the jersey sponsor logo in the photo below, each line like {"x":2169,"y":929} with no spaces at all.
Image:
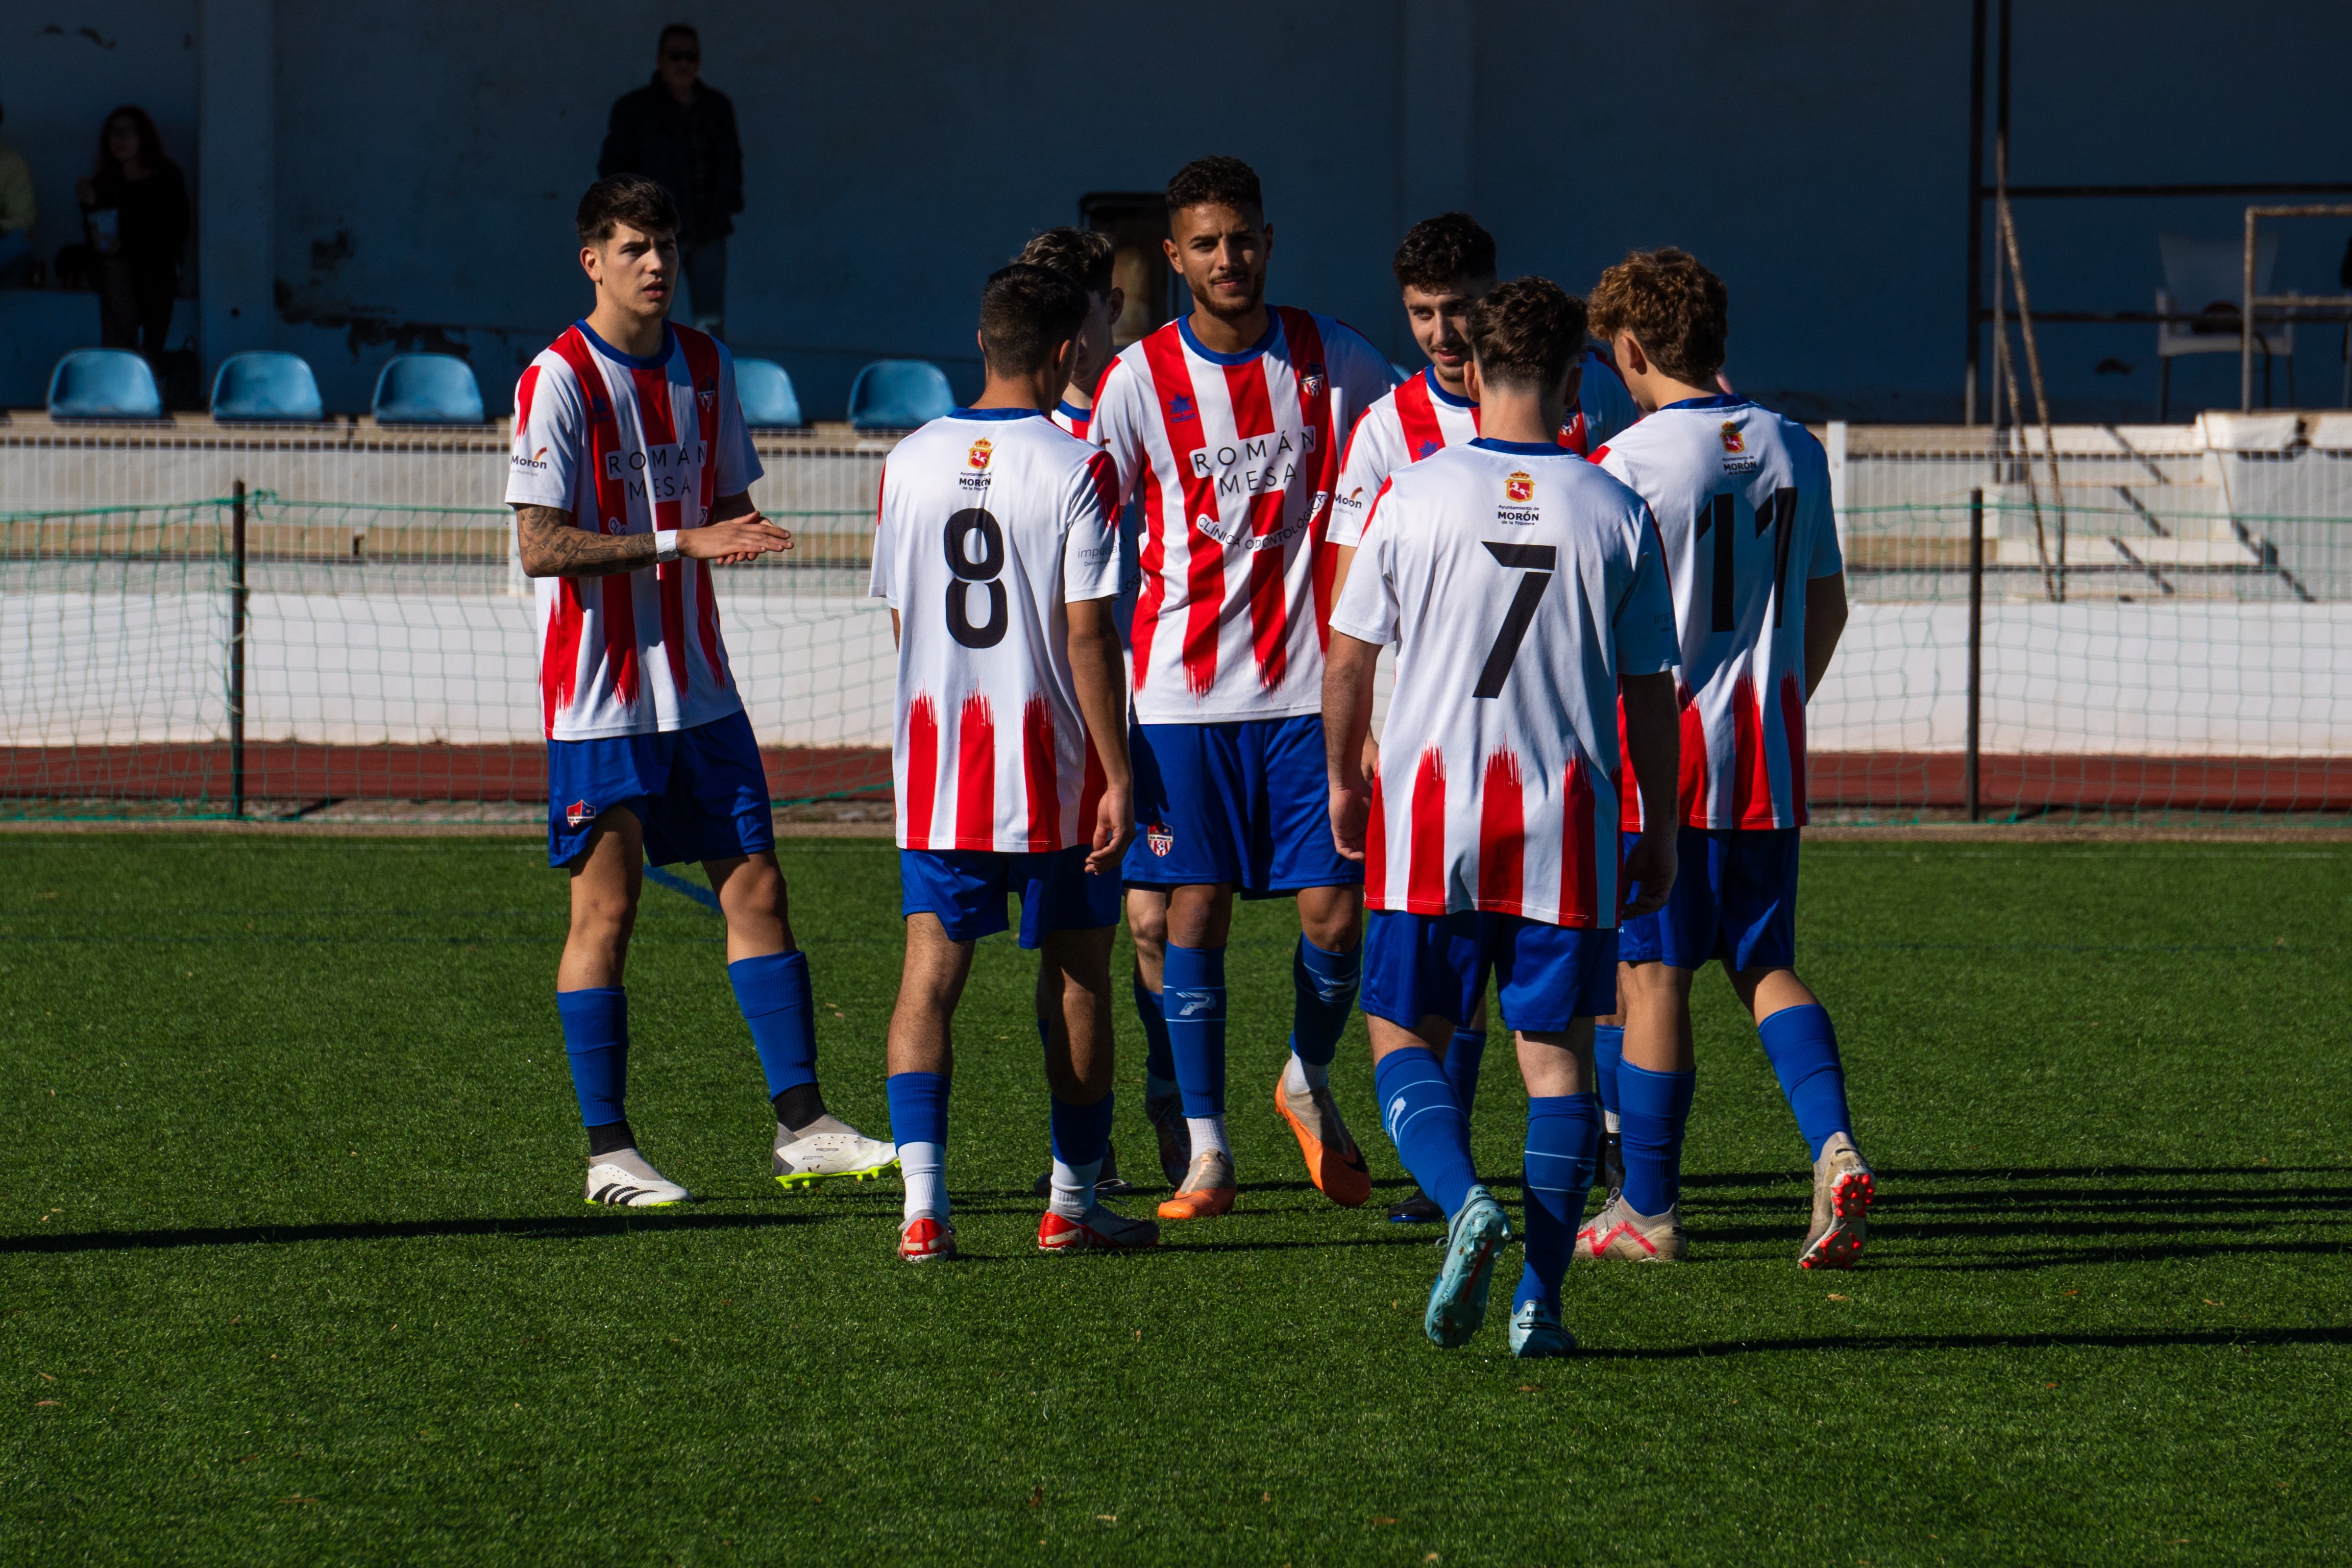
{"x":1520,"y":486}
{"x":979,"y":454}
{"x":1238,"y":533}
{"x":659,"y":472}
{"x":1160,"y":839}
{"x":537,"y":460}
{"x":1519,"y":496}
{"x":579,"y":812}
{"x":1180,"y":408}
{"x":1312,"y":380}
{"x":1731,"y":437}
{"x":1256,"y":464}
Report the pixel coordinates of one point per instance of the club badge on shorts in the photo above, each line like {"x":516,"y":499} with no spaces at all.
{"x":579,"y":812}
{"x":1160,"y":840}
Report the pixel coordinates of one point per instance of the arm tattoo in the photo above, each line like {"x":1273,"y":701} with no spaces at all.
{"x":553,"y":547}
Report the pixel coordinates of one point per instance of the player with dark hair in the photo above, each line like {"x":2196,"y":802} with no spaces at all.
{"x":629,"y":478}
{"x":998,"y":551}
{"x":1083,"y":256}
{"x":1228,"y":424}
{"x":1741,"y":497}
{"x":1446,"y":265}
{"x":1524,"y":589}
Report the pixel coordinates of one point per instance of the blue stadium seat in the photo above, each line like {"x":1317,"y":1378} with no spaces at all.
{"x":266,"y":386}
{"x":898,"y":395}
{"x":104,"y":384}
{"x":767,"y":395}
{"x":428,"y":389}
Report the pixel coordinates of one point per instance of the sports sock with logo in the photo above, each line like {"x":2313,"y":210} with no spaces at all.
{"x":1081,"y":1135}
{"x":1323,"y":990}
{"x":1802,"y":1048}
{"x":919,"y":1122}
{"x":596,"y":1038}
{"x":1608,"y":1051}
{"x":1426,"y":1124}
{"x":1159,"y":1061}
{"x":1463,"y":1053}
{"x":1193,"y":1000}
{"x":773,"y":990}
{"x":1563,"y":1146}
{"x":1655,"y":1109}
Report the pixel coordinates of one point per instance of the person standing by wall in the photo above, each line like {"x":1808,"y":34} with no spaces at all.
{"x":680,"y":132}
{"x":16,"y":214}
{"x":135,"y":209}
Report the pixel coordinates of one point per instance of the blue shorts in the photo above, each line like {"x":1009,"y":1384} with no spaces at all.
{"x":701,"y":793}
{"x":1735,"y":899}
{"x":1247,"y":803}
{"x":1415,"y":965}
{"x":966,"y":889}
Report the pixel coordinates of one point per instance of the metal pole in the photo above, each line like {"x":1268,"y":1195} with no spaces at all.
{"x":1976,"y":211}
{"x":1969,"y":783}
{"x":2246,"y":325}
{"x":236,"y":650}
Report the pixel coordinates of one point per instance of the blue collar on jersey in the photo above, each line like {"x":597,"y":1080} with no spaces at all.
{"x":1429,"y":374}
{"x":1075,"y":414}
{"x":651,"y":362}
{"x":1524,"y":449}
{"x":996,"y":414}
{"x":1719,"y":400}
{"x":1273,"y":330}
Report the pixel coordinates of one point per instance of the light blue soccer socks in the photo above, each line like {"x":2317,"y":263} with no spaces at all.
{"x":1426,"y":1124}
{"x":596,"y":1038}
{"x":1463,"y":1053}
{"x":774,"y":992}
{"x":1802,"y":1048}
{"x":919,"y":1124}
{"x":1608,"y":1051}
{"x":1654,"y":1112}
{"x":1193,"y":1000}
{"x":1563,"y":1146}
{"x":1323,"y":987}
{"x":1159,"y":1060}
{"x":1081,"y":1138}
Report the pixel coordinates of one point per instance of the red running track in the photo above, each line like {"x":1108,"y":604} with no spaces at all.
{"x":1886,"y":780}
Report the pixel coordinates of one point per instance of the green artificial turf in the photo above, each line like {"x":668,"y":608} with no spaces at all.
{"x":296,"y":1269}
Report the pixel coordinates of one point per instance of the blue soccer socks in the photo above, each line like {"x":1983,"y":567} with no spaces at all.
{"x":918,"y":1123}
{"x":1654,"y":1112}
{"x":1081,"y":1138}
{"x":1563,"y":1146}
{"x":1463,"y":1053}
{"x":1802,"y":1048}
{"x":1193,"y":1000}
{"x":1323,"y":987}
{"x":1159,"y":1059}
{"x":1608,"y":1051}
{"x":596,"y":1036}
{"x":774,"y":992}
{"x":1426,"y":1124}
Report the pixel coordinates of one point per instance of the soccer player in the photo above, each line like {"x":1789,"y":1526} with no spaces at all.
{"x":1741,"y":496}
{"x":628,"y":478}
{"x":1523,"y":589}
{"x":998,"y":551}
{"x":1084,"y":255}
{"x":1446,"y":265}
{"x":1228,"y":423}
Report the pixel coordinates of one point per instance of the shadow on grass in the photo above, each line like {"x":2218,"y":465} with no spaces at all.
{"x":2216,"y":1338}
{"x":535,"y":1227}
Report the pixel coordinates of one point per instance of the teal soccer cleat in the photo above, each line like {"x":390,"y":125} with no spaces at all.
{"x":1536,"y":1332}
{"x":1457,"y":1303}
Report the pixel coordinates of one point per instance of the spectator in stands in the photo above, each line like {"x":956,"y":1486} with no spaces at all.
{"x":16,"y":214}
{"x":680,"y":133}
{"x":135,"y":210}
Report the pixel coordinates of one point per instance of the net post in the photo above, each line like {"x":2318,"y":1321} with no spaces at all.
{"x":236,"y":604}
{"x":1969,"y":781}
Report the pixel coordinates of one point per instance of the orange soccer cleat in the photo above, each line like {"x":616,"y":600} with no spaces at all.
{"x":1208,"y":1189}
{"x":1333,"y":1161}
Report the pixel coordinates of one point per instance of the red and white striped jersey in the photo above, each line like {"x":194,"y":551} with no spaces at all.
{"x":1235,"y":457}
{"x":630,"y":446}
{"x":1074,"y":419}
{"x":991,"y":523}
{"x":1742,"y":500}
{"x":1421,"y":417}
{"x":1518,"y":583}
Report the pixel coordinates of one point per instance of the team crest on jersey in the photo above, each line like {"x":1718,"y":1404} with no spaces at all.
{"x":1731,"y":438}
{"x":578,"y":813}
{"x":1312,"y":379}
{"x":1160,"y":840}
{"x":979,"y":454}
{"x":706,"y":398}
{"x":1520,"y":487}
{"x":1425,"y":448}
{"x":1179,"y":407}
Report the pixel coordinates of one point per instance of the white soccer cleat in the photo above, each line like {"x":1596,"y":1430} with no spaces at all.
{"x":1103,"y":1229}
{"x":926,"y":1239}
{"x":1621,"y":1231}
{"x":1844,"y":1188}
{"x":829,"y":1148}
{"x":625,"y":1179}
{"x":1166,"y":1114}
